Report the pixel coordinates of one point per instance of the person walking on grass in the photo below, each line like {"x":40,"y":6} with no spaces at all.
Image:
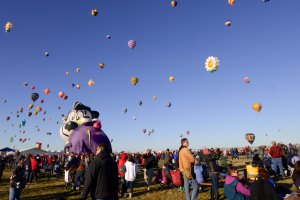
{"x":186,"y":162}
{"x":102,"y":176}
{"x":275,"y":153}
{"x":131,"y":169}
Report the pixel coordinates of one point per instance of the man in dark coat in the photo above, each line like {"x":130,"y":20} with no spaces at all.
{"x":102,"y":176}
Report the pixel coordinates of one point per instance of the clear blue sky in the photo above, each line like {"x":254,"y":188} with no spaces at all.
{"x":262,"y":43}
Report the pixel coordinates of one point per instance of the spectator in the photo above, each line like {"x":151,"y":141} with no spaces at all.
{"x":275,"y":153}
{"x":296,"y":175}
{"x":186,"y":161}
{"x":122,"y":161}
{"x":102,"y":176}
{"x":131,"y":170}
{"x":17,"y":180}
{"x":149,"y":164}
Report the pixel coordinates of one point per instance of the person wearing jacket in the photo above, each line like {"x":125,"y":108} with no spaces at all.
{"x":131,"y":170}
{"x":263,"y":189}
{"x":121,"y":163}
{"x":149,"y":163}
{"x":102,"y":176}
{"x":233,"y":188}
{"x":296,"y":175}
{"x":198,"y":169}
{"x":186,"y":161}
{"x":17,"y":181}
{"x":34,"y":169}
{"x":275,"y":153}
{"x":27,"y":164}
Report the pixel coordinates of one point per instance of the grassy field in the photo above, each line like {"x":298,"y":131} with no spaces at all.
{"x":53,"y":188}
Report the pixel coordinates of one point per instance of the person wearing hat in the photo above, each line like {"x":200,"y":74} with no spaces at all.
{"x":275,"y":153}
{"x":17,"y":180}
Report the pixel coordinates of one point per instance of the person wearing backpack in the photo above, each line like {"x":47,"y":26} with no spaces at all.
{"x":130,"y":169}
{"x":233,"y":188}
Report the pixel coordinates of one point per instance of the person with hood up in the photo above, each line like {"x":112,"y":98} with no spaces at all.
{"x":121,"y":163}
{"x":102,"y":176}
{"x":233,"y":188}
{"x":131,"y":170}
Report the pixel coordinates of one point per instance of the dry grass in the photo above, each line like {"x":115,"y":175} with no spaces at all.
{"x":53,"y":188}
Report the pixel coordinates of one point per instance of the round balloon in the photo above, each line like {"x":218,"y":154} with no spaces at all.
{"x":34,"y":96}
{"x":134,"y":80}
{"x":250,"y":137}
{"x":131,"y":44}
{"x":257,"y":107}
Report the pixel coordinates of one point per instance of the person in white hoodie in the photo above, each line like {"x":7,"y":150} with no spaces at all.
{"x":130,"y":168}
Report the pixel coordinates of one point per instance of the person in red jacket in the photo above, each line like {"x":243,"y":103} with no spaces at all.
{"x":122,"y":174}
{"x":34,"y":168}
{"x":275,"y":153}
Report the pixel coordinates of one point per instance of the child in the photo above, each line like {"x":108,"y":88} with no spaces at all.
{"x":130,"y":170}
{"x":233,"y":188}
{"x":198,"y":170}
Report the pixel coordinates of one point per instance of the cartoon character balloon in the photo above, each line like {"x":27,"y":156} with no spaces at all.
{"x":212,"y":64}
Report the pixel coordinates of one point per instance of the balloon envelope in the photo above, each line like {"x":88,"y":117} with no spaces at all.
{"x":250,"y":137}
{"x":34,"y":96}
{"x":257,"y":107}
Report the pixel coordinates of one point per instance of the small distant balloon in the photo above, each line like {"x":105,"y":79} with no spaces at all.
{"x":101,"y":65}
{"x":78,"y":86}
{"x":8,"y":26}
{"x":94,"y":12}
{"x":32,"y":87}
{"x":125,"y":110}
{"x":34,"y":96}
{"x":140,"y":103}
{"x":42,"y":101}
{"x":134,"y":80}
{"x":247,"y":80}
{"x":78,"y":70}
{"x":131,"y":44}
{"x":25,"y":84}
{"x":47,"y":91}
{"x":108,"y":37}
{"x":257,"y":107}
{"x":168,"y":104}
{"x":154,"y":97}
{"x":171,"y":78}
{"x":29,"y":114}
{"x":144,"y":130}
{"x":228,"y":22}
{"x":7,"y":118}
{"x":174,"y":3}
{"x":134,"y":118}
{"x":68,"y":73}
{"x":91,"y":83}
{"x":47,"y":54}
{"x":231,"y":2}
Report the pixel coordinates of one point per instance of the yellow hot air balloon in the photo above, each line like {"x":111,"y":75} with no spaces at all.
{"x":95,"y":12}
{"x":231,"y":2}
{"x":30,"y":106}
{"x":36,"y":113}
{"x":8,"y":26}
{"x":78,"y":86}
{"x":78,"y":69}
{"x":257,"y":107}
{"x":154,"y":97}
{"x":38,"y":109}
{"x":67,"y":73}
{"x":134,"y":80}
{"x":21,"y":109}
{"x":101,"y":65}
{"x":91,"y":83}
{"x":171,"y":78}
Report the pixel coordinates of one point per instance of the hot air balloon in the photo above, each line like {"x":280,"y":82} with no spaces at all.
{"x":47,"y":91}
{"x":168,"y":104}
{"x":78,"y":70}
{"x":212,"y":64}
{"x":30,"y":106}
{"x":125,"y":110}
{"x":32,"y":87}
{"x":140,"y":103}
{"x":101,"y":65}
{"x":180,"y":135}
{"x":154,"y":97}
{"x":29,"y":114}
{"x":36,"y":113}
{"x":257,"y":107}
{"x":25,"y":84}
{"x":21,"y":110}
{"x":250,"y":137}
{"x":34,"y":96}
{"x":134,"y":80}
{"x":38,"y":109}
{"x":78,"y":86}
{"x":65,"y":97}
{"x":134,"y":118}
{"x":108,"y":37}
{"x":61,"y":94}
{"x":131,"y":44}
{"x":228,"y":22}
{"x":144,"y":130}
{"x":91,"y":83}
{"x":174,"y":3}
{"x":94,"y":12}
{"x":8,"y":26}
{"x":11,"y":139}
{"x":73,"y":85}
{"x":231,"y":2}
{"x":187,"y":132}
{"x":247,"y":80}
{"x":171,"y":78}
{"x":44,"y":119}
{"x":67,"y":73}
{"x":24,"y":122}
{"x":46,"y":54}
{"x":265,"y":1}
{"x":47,"y":145}
{"x":7,"y":118}
{"x":44,"y":112}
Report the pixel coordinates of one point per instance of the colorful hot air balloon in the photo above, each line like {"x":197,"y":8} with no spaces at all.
{"x":32,"y":87}
{"x":8,"y":26}
{"x":247,"y":80}
{"x":91,"y":83}
{"x":7,"y":118}
{"x":187,"y":132}
{"x":47,"y":91}
{"x":212,"y":64}
{"x":78,"y":70}
{"x":78,"y":86}
{"x":174,"y":3}
{"x":131,"y":44}
{"x":94,"y":12}
{"x":250,"y":137}
{"x":36,"y":113}
{"x":29,"y":114}
{"x":134,"y":80}
{"x":257,"y":107}
{"x":231,"y":2}
{"x":228,"y":22}
{"x":21,"y":110}
{"x":61,"y":94}
{"x":34,"y":96}
{"x":101,"y":65}
{"x":154,"y":97}
{"x":171,"y":78}
{"x":38,"y":109}
{"x":30,"y":106}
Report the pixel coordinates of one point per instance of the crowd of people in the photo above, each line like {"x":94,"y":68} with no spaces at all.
{"x":109,"y":176}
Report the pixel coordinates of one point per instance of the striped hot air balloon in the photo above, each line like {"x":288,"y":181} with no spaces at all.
{"x":134,"y":80}
{"x":231,"y":2}
{"x":131,"y":44}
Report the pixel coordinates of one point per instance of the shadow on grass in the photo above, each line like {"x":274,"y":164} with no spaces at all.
{"x":56,"y":195}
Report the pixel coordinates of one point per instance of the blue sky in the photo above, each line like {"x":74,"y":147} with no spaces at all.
{"x":262,"y":43}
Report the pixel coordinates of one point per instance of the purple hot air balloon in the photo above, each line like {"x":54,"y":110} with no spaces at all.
{"x":131,"y":44}
{"x":247,"y":80}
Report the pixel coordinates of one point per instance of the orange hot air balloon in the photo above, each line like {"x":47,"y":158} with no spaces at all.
{"x":78,"y":86}
{"x":174,"y":3}
{"x":47,"y":91}
{"x":101,"y":65}
{"x":171,"y":78}
{"x":257,"y":107}
{"x":91,"y":83}
{"x":231,"y":2}
{"x":8,"y":26}
{"x":61,"y":94}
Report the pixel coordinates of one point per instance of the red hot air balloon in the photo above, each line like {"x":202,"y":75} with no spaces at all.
{"x":131,"y":44}
{"x":247,"y":80}
{"x":250,"y":137}
{"x":7,"y":118}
